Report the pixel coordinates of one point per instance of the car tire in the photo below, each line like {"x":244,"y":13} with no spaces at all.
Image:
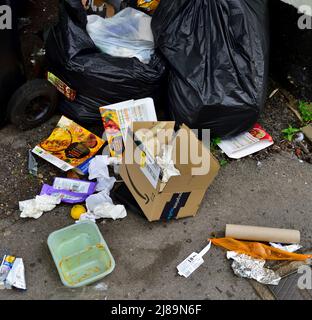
{"x":32,"y":104}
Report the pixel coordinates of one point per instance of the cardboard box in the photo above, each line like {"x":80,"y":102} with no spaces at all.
{"x":182,"y":195}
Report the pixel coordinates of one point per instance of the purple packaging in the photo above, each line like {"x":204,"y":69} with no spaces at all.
{"x":71,"y":190}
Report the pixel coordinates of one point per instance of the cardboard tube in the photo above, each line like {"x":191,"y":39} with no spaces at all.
{"x":262,"y":234}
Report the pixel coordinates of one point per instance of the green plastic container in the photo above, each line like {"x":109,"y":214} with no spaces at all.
{"x":81,"y":254}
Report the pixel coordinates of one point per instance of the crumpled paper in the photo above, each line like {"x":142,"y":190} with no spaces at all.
{"x":98,"y":169}
{"x":34,"y":208}
{"x":166,"y":163}
{"x":247,"y":267}
{"x":100,"y":205}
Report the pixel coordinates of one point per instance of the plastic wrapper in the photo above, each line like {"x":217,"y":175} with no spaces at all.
{"x":128,"y":34}
{"x":70,"y":190}
{"x":74,"y":185}
{"x":247,"y":267}
{"x":6,"y":266}
{"x":16,"y":276}
{"x":32,"y":164}
{"x":258,"y":250}
{"x":66,"y":196}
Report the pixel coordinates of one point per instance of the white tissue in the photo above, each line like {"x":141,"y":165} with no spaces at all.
{"x":98,"y":169}
{"x":34,"y":208}
{"x":100,"y":205}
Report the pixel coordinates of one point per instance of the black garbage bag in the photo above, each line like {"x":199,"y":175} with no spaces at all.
{"x":98,"y":78}
{"x":218,"y":56}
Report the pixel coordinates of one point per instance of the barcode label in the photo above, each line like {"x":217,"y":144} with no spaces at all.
{"x":150,"y":168}
{"x":190,"y":264}
{"x":52,"y":159}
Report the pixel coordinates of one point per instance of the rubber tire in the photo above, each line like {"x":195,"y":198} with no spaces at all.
{"x":23,"y":97}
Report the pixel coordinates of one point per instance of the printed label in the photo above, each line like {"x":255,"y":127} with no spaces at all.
{"x":61,"y":86}
{"x":190,"y":264}
{"x":150,"y":169}
{"x":53,"y":160}
{"x":71,"y":185}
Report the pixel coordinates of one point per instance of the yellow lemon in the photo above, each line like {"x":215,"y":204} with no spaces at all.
{"x":77,"y":211}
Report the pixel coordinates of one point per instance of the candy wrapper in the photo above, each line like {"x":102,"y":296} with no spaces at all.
{"x":247,"y":267}
{"x":70,"y":190}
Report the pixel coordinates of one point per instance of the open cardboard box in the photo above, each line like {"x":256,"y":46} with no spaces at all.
{"x":182,"y":195}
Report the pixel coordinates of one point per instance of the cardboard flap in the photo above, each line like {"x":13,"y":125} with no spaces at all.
{"x":194,"y":161}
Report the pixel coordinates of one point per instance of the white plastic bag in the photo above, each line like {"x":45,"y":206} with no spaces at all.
{"x":128,"y":34}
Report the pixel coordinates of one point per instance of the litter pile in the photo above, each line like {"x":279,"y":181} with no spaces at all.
{"x":249,"y":257}
{"x":157,"y":163}
{"x":117,"y":62}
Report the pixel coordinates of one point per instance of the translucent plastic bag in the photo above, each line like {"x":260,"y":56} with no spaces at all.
{"x":128,"y":34}
{"x":258,"y":250}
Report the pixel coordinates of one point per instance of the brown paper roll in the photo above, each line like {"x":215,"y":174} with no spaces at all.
{"x":262,"y":234}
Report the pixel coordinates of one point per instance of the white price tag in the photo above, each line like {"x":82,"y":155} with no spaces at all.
{"x":192,"y":262}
